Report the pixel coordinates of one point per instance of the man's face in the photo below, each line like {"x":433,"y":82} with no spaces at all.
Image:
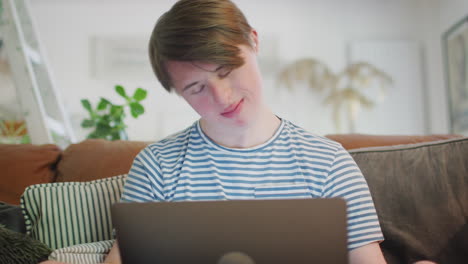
{"x":221,"y":96}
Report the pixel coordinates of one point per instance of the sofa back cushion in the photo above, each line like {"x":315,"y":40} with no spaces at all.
{"x":24,"y":165}
{"x":421,"y":195}
{"x":95,"y":159}
{"x":63,"y":214}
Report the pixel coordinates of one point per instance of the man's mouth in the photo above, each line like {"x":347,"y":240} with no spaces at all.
{"x":232,"y":109}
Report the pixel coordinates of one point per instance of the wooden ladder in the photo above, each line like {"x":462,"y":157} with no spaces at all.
{"x":46,"y":119}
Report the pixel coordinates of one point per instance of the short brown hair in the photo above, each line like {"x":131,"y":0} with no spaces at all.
{"x":198,"y":30}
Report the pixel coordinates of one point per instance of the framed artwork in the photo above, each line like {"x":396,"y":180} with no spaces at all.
{"x":120,"y":57}
{"x":455,"y":44}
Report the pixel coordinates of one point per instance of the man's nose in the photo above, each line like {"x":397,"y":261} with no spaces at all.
{"x":221,"y":91}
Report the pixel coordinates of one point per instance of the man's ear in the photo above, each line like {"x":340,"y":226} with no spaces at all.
{"x":254,"y":40}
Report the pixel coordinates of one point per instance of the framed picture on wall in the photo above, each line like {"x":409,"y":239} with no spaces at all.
{"x":455,"y":44}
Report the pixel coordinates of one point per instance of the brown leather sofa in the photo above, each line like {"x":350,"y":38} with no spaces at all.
{"x":27,"y":164}
{"x":419,"y":184}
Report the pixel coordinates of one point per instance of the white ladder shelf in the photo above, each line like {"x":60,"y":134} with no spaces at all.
{"x":40,"y":101}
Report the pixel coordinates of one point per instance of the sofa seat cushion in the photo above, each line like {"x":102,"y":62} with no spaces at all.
{"x":421,"y":195}
{"x":63,"y":214}
{"x":24,"y":165}
{"x":95,"y":159}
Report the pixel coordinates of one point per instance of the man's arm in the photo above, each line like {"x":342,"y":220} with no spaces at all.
{"x":370,"y":253}
{"x":114,"y":255}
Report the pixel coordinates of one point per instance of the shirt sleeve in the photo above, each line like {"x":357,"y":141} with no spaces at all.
{"x":346,"y":181}
{"x":144,"y":182}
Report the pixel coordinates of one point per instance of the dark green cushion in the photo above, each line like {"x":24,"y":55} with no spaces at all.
{"x":421,"y":195}
{"x":18,"y":248}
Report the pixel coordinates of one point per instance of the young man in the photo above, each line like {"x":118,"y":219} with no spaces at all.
{"x":206,"y":51}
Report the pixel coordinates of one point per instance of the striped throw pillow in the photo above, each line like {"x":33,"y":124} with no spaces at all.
{"x":63,"y":214}
{"x":90,"y":253}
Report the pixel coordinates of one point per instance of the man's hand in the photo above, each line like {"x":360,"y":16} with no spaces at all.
{"x":114,"y":255}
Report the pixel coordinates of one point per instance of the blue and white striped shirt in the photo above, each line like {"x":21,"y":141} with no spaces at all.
{"x":189,"y":166}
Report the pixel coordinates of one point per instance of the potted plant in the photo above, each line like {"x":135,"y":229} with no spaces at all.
{"x":107,"y":119}
{"x":13,"y":132}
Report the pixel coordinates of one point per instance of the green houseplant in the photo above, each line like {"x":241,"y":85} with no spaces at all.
{"x":107,"y":119}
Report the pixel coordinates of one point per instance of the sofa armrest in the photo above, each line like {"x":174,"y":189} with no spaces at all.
{"x":420,"y":192}
{"x":12,"y":218}
{"x":24,"y":165}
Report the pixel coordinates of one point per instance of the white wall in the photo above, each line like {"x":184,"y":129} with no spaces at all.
{"x":315,"y":28}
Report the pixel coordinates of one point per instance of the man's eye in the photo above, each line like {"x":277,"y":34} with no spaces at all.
{"x":198,"y":89}
{"x":225,"y":73}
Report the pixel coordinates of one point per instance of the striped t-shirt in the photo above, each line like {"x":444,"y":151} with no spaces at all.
{"x":189,"y":166}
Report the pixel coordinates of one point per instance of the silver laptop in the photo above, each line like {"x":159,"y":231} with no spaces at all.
{"x":233,"y":232}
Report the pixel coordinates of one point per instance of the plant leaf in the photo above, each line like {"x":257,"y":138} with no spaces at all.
{"x":117,"y":111}
{"x":102,"y":130}
{"x":115,"y":136}
{"x":25,"y":139}
{"x":93,"y":135}
{"x":87,"y":123}
{"x":136,"y":109}
{"x":140,"y":94}
{"x":87,"y":105}
{"x":103,"y":104}
{"x":120,"y":90}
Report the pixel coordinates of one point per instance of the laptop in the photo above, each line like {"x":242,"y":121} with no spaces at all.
{"x":233,"y":232}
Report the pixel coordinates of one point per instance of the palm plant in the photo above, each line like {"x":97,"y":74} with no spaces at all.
{"x":344,"y":92}
{"x":315,"y":73}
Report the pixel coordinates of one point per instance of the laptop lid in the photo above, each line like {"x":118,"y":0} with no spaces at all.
{"x":233,"y":232}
